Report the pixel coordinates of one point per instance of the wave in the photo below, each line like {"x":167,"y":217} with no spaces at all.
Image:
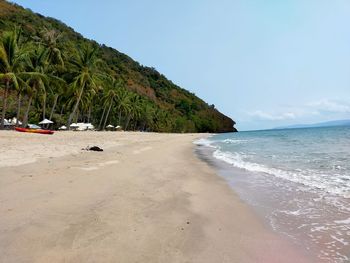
{"x":309,"y":178}
{"x":232,"y":141}
{"x":205,"y":142}
{"x":210,"y":143}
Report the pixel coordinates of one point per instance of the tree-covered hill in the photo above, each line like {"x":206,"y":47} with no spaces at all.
{"x":47,"y":70}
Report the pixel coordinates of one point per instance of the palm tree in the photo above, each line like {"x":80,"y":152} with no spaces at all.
{"x":133,"y":109}
{"x":54,"y":56}
{"x":160,"y":120}
{"x":85,"y":75}
{"x":111,"y":94}
{"x":123,"y":103}
{"x":86,"y":103}
{"x":137,"y":111}
{"x":49,"y":40}
{"x":10,"y":66}
{"x":146,"y":117}
{"x":31,"y":90}
{"x":21,"y":87}
{"x":103,"y":115}
{"x":36,"y":76}
{"x":57,"y":88}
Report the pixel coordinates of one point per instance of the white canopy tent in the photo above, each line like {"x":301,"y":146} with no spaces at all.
{"x":14,"y":121}
{"x":82,"y":126}
{"x":45,"y":121}
{"x":62,"y":128}
{"x":89,"y":126}
{"x":33,"y":126}
{"x":7,"y":123}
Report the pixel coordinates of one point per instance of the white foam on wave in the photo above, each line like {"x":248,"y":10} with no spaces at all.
{"x":234,"y":141}
{"x":307,"y":178}
{"x":340,"y":240}
{"x":297,"y":212}
{"x":345,"y":221}
{"x":204,"y":142}
{"x":210,"y":143}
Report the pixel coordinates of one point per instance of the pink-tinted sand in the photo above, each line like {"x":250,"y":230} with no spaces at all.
{"x":146,"y":199}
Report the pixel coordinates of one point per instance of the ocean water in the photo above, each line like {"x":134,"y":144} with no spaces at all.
{"x":297,"y":179}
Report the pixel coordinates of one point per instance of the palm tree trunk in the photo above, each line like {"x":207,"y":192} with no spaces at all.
{"x":120,"y":117}
{"x":4,"y":105}
{"x":127,"y":121}
{"x":25,"y":118}
{"x":54,"y":106}
{"x":103,"y":114}
{"x":44,"y":106}
{"x":109,"y":109}
{"x":62,"y":109}
{"x":19,"y":100}
{"x":89,"y":114}
{"x":75,"y":108}
{"x":77,"y":116}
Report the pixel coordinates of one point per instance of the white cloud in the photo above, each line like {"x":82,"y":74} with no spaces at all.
{"x":309,"y":111}
{"x":272,"y":117}
{"x":333,"y":106}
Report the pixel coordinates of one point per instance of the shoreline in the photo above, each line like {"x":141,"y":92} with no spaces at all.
{"x":235,"y":178}
{"x":146,"y":198}
{"x":314,"y":220}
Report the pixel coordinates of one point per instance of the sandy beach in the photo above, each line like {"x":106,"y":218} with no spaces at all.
{"x":146,"y":198}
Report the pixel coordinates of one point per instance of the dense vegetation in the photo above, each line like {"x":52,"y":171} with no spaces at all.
{"x":49,"y":71}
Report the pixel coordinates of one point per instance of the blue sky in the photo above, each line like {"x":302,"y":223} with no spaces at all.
{"x":264,"y":63}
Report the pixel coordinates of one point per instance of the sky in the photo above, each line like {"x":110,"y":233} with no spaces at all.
{"x":264,"y":63}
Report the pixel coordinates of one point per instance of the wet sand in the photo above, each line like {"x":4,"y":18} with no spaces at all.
{"x":146,"y":198}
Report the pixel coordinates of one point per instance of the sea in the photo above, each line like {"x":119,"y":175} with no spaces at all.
{"x":297,"y":180}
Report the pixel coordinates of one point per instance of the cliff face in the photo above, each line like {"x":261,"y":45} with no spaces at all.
{"x":185,"y":111}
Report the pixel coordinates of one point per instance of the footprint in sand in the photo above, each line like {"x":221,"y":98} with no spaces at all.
{"x":108,"y":163}
{"x":91,"y":168}
{"x":142,"y":150}
{"x":103,"y":164}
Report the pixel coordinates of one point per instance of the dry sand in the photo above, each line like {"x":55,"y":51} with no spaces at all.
{"x":146,"y":198}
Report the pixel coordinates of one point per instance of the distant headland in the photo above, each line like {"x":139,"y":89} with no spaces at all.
{"x":317,"y":125}
{"x":60,"y":75}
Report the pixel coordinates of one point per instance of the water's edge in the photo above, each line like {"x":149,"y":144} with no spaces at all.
{"x":206,"y":155}
{"x":260,"y":195}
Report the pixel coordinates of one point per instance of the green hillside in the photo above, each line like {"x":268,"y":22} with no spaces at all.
{"x":47,"y":70}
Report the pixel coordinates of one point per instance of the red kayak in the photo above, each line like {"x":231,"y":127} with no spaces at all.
{"x":34,"y":130}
